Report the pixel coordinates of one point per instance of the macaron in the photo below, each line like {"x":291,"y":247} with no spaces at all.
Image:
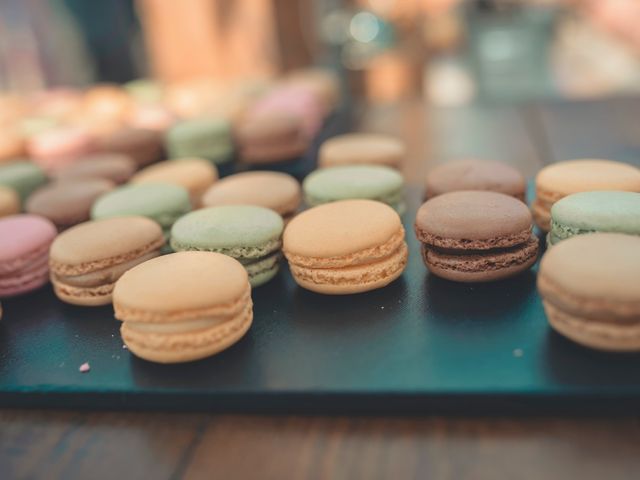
{"x":252,"y":235}
{"x":24,"y":253}
{"x":194,"y":174}
{"x":589,"y":288}
{"x":322,"y":82}
{"x":475,"y":174}
{"x":597,"y":211}
{"x":67,"y":203}
{"x":141,"y":145}
{"x":362,"y":148}
{"x":270,"y":138}
{"x":208,"y":138}
{"x":476,"y":236}
{"x":86,"y":260}
{"x":58,"y":147}
{"x":144,"y":90}
{"x":345,"y":247}
{"x":278,"y":191}
{"x":12,"y":145}
{"x":9,"y":201}
{"x":161,"y":202}
{"x":151,"y":117}
{"x":372,"y":182}
{"x":107,"y":103}
{"x":22,"y":176}
{"x":115,"y":167}
{"x":564,"y":178}
{"x":184,"y":306}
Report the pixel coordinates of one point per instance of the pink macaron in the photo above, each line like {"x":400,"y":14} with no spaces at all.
{"x":24,"y":253}
{"x":59,"y":147}
{"x":295,"y":101}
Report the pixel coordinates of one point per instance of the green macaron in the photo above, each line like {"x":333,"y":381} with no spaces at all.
{"x":597,"y":211}
{"x":371,"y":182}
{"x":201,"y":137}
{"x":22,"y":176}
{"x":161,"y":202}
{"x":252,"y":235}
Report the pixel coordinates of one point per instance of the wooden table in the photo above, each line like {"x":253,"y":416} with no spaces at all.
{"x":79,"y":445}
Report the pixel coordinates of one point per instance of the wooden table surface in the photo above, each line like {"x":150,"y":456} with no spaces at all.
{"x":96,"y":445}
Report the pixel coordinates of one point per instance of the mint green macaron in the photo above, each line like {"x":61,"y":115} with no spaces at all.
{"x":161,"y":202}
{"x":370,"y":182}
{"x":598,"y":211}
{"x":208,"y":138}
{"x":252,"y":235}
{"x":22,"y":176}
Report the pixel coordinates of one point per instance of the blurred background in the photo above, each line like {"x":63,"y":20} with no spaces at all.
{"x":447,"y":52}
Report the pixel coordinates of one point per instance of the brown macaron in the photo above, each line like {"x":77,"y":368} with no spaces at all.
{"x":143,"y":146}
{"x":67,"y":203}
{"x":270,"y":138}
{"x":475,"y":236}
{"x":475,"y":174}
{"x":115,"y":167}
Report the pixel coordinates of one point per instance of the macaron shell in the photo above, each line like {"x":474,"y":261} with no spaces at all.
{"x":23,"y":239}
{"x":110,"y":166}
{"x":9,"y":202}
{"x":604,"y":211}
{"x":474,"y":174}
{"x":473,"y":220}
{"x":27,"y":280}
{"x":565,"y":178}
{"x":362,"y":148}
{"x":278,"y":191}
{"x":340,"y":229}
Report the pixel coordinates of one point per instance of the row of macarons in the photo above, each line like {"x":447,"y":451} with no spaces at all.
{"x":142,"y":120}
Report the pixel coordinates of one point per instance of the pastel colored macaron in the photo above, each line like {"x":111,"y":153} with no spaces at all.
{"x":476,"y":236}
{"x":597,"y":211}
{"x":372,"y":182}
{"x":151,"y":117}
{"x":115,"y":167}
{"x":252,"y":235}
{"x":141,"y":145}
{"x":270,"y":138}
{"x":278,"y":191}
{"x":362,"y":148}
{"x":194,"y":174}
{"x":9,"y":202}
{"x":12,"y":145}
{"x":161,"y":202}
{"x":106,"y":103}
{"x":589,"y":286}
{"x":144,"y":90}
{"x":203,"y":310}
{"x":58,"y":147}
{"x":67,"y":203}
{"x":24,"y":253}
{"x":564,"y":178}
{"x":475,"y":174}
{"x":345,"y":247}
{"x":208,"y":138}
{"x":86,"y":260}
{"x":23,"y":177}
{"x":322,"y":82}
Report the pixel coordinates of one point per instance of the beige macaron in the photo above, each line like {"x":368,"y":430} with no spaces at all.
{"x":194,"y":174}
{"x":184,"y":306}
{"x":278,"y":191}
{"x":9,"y":201}
{"x":86,"y":260}
{"x":362,"y":148}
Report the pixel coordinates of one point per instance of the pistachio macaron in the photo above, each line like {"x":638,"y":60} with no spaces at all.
{"x":204,"y":309}
{"x":345,"y":247}
{"x":252,"y":235}
{"x":371,"y":182}
{"x":22,"y":176}
{"x":86,"y":260}
{"x":207,"y":137}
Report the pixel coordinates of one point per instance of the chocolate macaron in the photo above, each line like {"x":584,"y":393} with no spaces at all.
{"x":345,"y":247}
{"x":590,"y":286}
{"x":475,"y":236}
{"x":68,"y":203}
{"x":86,"y":260}
{"x":475,"y":174}
{"x":115,"y":167}
{"x":142,"y":145}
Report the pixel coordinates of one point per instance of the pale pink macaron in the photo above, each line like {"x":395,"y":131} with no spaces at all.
{"x":296,"y":101}
{"x":24,"y":253}
{"x":59,"y":147}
